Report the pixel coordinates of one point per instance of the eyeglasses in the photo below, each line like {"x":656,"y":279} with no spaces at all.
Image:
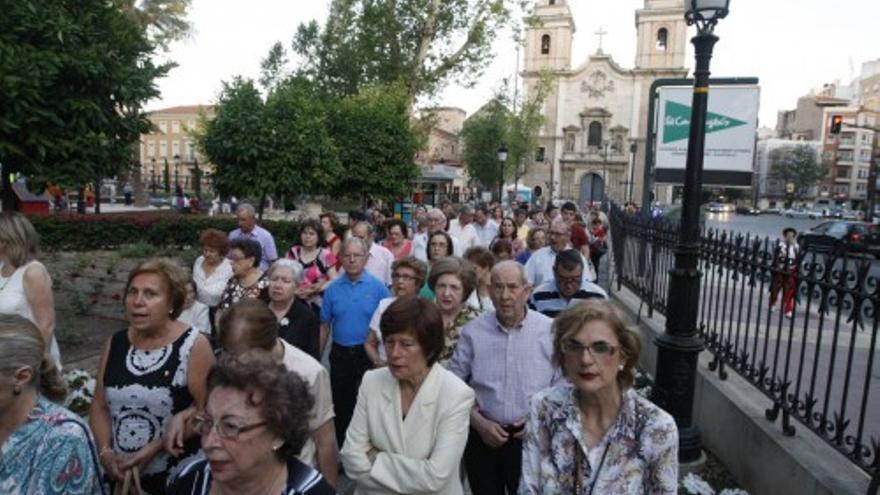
{"x":598,"y":350}
{"x":402,"y":276}
{"x":573,"y":280}
{"x":353,"y":255}
{"x":558,"y":233}
{"x":226,"y":430}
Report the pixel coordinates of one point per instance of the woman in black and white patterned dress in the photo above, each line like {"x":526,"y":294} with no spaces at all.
{"x":151,"y":379}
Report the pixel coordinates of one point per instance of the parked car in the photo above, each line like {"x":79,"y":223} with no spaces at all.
{"x":747,"y":210}
{"x":774,"y":210}
{"x":858,"y":237}
{"x":802,"y":213}
{"x":720,"y":208}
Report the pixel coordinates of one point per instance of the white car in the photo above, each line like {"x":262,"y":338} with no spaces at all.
{"x":802,"y":213}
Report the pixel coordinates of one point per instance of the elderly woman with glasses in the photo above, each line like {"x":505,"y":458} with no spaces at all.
{"x":407,"y":275}
{"x":592,"y":433}
{"x":248,"y":280}
{"x":411,"y":422}
{"x":253,"y":426}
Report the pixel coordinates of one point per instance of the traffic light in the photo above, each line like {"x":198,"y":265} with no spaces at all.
{"x":836,"y":123}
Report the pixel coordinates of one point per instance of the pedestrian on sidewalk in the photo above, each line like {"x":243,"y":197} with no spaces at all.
{"x":785,"y":271}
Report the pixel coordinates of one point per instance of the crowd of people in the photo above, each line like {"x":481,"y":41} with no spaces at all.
{"x":467,"y":347}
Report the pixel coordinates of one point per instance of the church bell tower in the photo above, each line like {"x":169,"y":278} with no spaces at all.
{"x":548,"y":41}
{"x":662,"y":35}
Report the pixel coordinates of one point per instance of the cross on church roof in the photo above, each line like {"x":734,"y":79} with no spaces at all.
{"x":600,"y":33}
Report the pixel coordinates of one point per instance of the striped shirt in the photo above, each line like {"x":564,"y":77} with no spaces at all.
{"x":195,"y":479}
{"x":547,"y":300}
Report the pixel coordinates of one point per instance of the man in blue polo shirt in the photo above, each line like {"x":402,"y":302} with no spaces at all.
{"x":567,"y":288}
{"x":348,"y":304}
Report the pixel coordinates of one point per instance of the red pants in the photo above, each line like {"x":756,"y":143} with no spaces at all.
{"x":788,"y":284}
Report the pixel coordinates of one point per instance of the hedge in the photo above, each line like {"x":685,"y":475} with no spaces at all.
{"x":110,"y":231}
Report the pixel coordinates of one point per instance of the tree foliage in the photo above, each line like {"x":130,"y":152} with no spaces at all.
{"x":295,"y":142}
{"x":513,"y":122}
{"x":376,"y":142}
{"x":163,"y":20}
{"x":73,"y":75}
{"x":796,"y":165}
{"x":482,"y":135}
{"x":422,"y":44}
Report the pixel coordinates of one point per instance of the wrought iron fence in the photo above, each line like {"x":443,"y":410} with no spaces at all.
{"x":815,"y":364}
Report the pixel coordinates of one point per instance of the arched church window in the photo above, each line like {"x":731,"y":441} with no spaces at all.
{"x":545,"y":44}
{"x":662,"y":38}
{"x":594,"y":135}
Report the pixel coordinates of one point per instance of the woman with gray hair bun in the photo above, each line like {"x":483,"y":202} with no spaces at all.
{"x":297,"y":323}
{"x":46,"y":449}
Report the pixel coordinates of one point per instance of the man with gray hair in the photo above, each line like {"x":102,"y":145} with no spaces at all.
{"x":248,"y":228}
{"x":539,"y":267}
{"x":379,"y":259}
{"x":347,"y":307}
{"x":436,"y":223}
{"x":463,"y":229}
{"x":505,"y":356}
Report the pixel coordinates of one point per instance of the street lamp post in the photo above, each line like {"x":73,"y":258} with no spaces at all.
{"x":502,"y":158}
{"x":679,"y":347}
{"x":604,"y":171}
{"x":176,"y":171}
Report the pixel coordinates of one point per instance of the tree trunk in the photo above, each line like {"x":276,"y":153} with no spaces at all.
{"x":6,"y":190}
{"x":261,"y":206}
{"x":97,"y":196}
{"x":140,"y":193}
{"x":81,"y":201}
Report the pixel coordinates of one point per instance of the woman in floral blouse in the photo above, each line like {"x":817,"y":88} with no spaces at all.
{"x":592,"y":433}
{"x":452,"y":280}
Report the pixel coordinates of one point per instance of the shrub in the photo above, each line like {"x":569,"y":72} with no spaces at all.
{"x":158,"y":229}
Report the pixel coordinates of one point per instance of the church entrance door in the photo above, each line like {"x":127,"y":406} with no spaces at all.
{"x":592,"y":189}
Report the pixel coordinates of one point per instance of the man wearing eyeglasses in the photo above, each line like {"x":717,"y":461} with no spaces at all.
{"x":505,"y":356}
{"x":567,"y":288}
{"x":346,"y":309}
{"x":539,"y":267}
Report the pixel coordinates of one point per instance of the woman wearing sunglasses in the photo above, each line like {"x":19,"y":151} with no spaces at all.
{"x":253,"y":426}
{"x":592,"y":433}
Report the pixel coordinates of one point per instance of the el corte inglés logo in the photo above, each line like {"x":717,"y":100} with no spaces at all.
{"x":677,"y":124}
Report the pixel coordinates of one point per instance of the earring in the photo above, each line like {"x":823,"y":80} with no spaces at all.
{"x":16,"y":390}
{"x":276,"y":447}
{"x":620,"y":368}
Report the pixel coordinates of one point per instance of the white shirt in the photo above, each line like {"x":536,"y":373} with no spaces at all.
{"x":539,"y":268}
{"x":467,"y":235}
{"x":318,"y":380}
{"x":197,"y":317}
{"x":379,"y":263}
{"x":210,"y":289}
{"x":486,"y":233}
{"x":374,"y":324}
{"x":420,"y":243}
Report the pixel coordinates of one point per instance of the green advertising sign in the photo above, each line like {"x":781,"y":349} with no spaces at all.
{"x":677,"y":122}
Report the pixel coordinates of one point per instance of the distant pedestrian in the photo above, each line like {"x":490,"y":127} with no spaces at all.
{"x":785,"y":271}
{"x":248,"y":229}
{"x":127,"y":191}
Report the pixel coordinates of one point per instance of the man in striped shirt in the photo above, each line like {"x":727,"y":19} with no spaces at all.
{"x":568,"y":286}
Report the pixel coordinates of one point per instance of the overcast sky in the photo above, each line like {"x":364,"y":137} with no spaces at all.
{"x":791,"y":45}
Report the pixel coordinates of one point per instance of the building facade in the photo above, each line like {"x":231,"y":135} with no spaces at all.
{"x":442,"y":174}
{"x":849,"y":155}
{"x":592,"y":144}
{"x":169,"y":149}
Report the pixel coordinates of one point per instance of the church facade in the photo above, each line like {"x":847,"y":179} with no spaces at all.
{"x":592,"y":144}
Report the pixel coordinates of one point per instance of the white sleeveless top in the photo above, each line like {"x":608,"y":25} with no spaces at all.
{"x":13,"y":301}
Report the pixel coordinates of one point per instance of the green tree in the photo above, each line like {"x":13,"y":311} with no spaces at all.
{"x":277,"y":147}
{"x":524,"y":122}
{"x":272,"y":68}
{"x":482,"y":135}
{"x":796,"y":165}
{"x":376,"y":142}
{"x":72,"y":76}
{"x":420,"y":44}
{"x":163,"y":20}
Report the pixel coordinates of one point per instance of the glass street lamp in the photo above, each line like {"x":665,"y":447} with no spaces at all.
{"x":679,"y":347}
{"x":502,"y":158}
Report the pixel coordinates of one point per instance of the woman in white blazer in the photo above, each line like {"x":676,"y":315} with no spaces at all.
{"x":411,"y":422}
